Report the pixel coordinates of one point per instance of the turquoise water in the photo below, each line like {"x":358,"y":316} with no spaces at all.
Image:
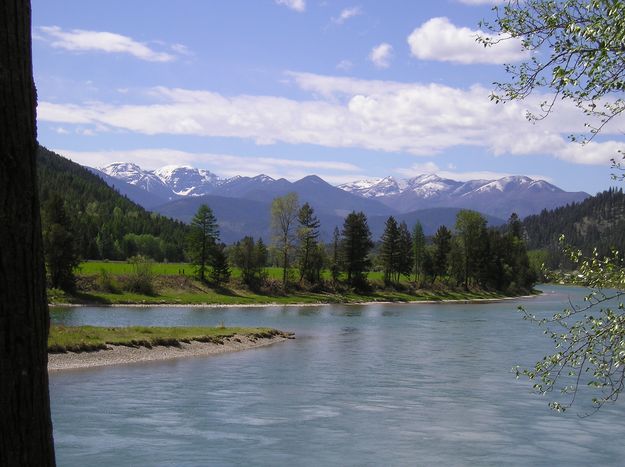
{"x":361,"y":385}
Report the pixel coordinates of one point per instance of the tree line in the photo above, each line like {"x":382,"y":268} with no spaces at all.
{"x":472,"y":255}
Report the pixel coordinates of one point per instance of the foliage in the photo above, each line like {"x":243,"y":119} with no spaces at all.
{"x":390,"y":254}
{"x":471,"y":230}
{"x":251,"y":258}
{"x":59,"y":246}
{"x":597,"y":222}
{"x":99,"y":217}
{"x":284,"y":214}
{"x":589,"y":339}
{"x":442,"y":242}
{"x":141,"y":279}
{"x":202,"y":238}
{"x":356,"y":244}
{"x":335,"y":265}
{"x":576,"y":51}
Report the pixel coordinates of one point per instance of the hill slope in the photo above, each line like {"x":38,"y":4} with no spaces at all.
{"x":99,"y":216}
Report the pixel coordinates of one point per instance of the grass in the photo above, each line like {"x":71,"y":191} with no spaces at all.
{"x":177,"y":289}
{"x":90,"y":338}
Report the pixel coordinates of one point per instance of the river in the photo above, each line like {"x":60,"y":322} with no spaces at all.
{"x":381,"y":384}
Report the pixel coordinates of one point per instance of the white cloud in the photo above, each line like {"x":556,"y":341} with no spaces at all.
{"x":419,"y":119}
{"x":344,"y":65}
{"x":79,"y":40}
{"x":297,"y":5}
{"x":381,"y":55}
{"x":225,"y":165}
{"x":438,"y":39}
{"x":347,"y":13}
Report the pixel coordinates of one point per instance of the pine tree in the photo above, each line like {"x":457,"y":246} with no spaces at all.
{"x":308,"y":233}
{"x":220,"y":269}
{"x":442,"y":247}
{"x":355,"y":247}
{"x":335,"y":266}
{"x":418,"y":250}
{"x":406,"y":254}
{"x":202,"y":239}
{"x":390,"y":254}
{"x":59,"y":246}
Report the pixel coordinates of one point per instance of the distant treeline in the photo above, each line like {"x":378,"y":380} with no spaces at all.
{"x":597,"y":222}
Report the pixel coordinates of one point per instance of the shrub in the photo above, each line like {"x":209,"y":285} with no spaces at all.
{"x":141,"y":279}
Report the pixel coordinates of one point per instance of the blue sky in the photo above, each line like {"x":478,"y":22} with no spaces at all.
{"x":343,"y":89}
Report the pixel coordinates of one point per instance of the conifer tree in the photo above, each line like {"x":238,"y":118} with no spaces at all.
{"x":418,"y":250}
{"x":405,"y":247}
{"x":202,"y":239}
{"x":59,"y":246}
{"x":335,"y":266}
{"x":308,"y":233}
{"x":390,"y":254}
{"x":355,"y":247}
{"x":440,"y":255}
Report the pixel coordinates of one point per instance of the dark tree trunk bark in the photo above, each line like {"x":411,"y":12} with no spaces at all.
{"x":25,"y":424}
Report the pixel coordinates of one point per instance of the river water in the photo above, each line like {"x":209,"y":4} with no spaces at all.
{"x":372,"y":385}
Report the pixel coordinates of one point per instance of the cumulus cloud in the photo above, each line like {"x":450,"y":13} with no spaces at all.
{"x":297,"y":5}
{"x":346,"y":14}
{"x":414,"y":118}
{"x":440,"y":40}
{"x":381,"y":55}
{"x":344,"y":65}
{"x":225,"y":165}
{"x":79,"y":40}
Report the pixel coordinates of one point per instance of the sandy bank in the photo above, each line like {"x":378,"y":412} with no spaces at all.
{"x":120,"y":355}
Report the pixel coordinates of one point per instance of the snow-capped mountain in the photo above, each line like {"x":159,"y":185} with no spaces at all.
{"x":136,"y":176}
{"x":187,"y":181}
{"x":500,"y":197}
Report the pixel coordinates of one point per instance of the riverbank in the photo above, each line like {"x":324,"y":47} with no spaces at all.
{"x":88,"y":346}
{"x":123,"y":355}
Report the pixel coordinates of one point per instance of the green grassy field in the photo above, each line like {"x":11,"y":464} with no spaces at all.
{"x":90,"y":338}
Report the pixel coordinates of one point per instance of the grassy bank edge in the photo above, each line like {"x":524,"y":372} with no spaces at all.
{"x":246,"y":298}
{"x":64,"y":339}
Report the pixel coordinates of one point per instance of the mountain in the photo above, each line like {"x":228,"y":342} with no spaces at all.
{"x":499,"y":198}
{"x":134,"y":175}
{"x":187,"y":181}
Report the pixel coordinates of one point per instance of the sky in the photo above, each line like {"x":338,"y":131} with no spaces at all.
{"x":346,"y":90}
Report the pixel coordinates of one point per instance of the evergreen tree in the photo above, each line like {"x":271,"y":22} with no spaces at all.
{"x":390,"y":253}
{"x":220,"y":269}
{"x":308,"y":233}
{"x":471,"y":231}
{"x":406,"y":253}
{"x":335,"y":266}
{"x":59,"y":247}
{"x":418,"y":250}
{"x":355,"y":247}
{"x":202,"y":239}
{"x":440,"y":255}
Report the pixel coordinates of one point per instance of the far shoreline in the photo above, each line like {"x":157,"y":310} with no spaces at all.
{"x":467,"y":301}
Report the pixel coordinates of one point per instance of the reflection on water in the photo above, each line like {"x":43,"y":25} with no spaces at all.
{"x":361,"y":385}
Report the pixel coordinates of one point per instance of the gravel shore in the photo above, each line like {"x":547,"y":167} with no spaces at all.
{"x":121,"y":355}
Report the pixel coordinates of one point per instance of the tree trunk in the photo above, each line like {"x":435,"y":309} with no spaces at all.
{"x":26,"y":427}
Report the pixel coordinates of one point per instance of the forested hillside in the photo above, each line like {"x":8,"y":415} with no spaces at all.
{"x":104,"y":224}
{"x":597,"y":222}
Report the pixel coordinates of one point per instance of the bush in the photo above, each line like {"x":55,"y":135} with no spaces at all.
{"x":106,"y":283}
{"x":141,"y":279}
